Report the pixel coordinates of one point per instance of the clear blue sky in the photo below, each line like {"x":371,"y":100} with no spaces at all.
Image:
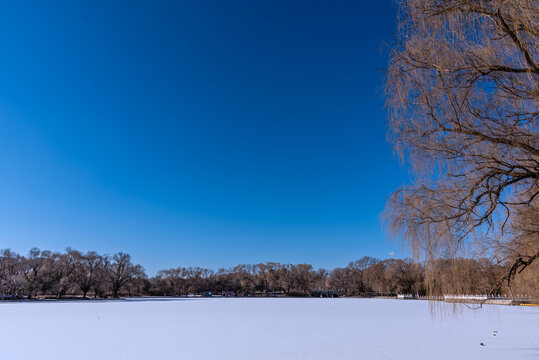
{"x":188,"y":133}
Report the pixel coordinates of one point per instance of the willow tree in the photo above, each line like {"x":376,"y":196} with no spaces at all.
{"x":463,"y":96}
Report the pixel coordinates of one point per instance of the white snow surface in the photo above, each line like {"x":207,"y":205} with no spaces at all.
{"x":265,"y":328}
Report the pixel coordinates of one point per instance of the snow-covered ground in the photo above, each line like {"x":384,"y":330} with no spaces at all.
{"x":261,"y":328}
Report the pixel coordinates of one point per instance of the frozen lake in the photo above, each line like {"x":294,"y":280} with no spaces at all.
{"x":265,"y":328}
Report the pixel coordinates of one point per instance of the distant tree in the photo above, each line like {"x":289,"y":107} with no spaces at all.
{"x":245,"y":274}
{"x":404,"y":277}
{"x":340,"y":280}
{"x":375,"y":277}
{"x":33,"y":269}
{"x":171,"y":281}
{"x":11,"y":280}
{"x":102,"y":280}
{"x":86,"y":270}
{"x":320,"y":281}
{"x":357,"y":273}
{"x":264,"y":276}
{"x":305,"y":277}
{"x":120,"y":271}
{"x":287,"y":278}
{"x":62,"y":266}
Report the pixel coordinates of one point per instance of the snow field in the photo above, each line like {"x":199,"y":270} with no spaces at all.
{"x":265,"y":328}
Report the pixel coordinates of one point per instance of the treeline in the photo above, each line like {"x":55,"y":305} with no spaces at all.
{"x":72,"y":273}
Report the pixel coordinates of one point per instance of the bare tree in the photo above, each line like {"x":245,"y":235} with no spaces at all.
{"x":287,"y":278}
{"x":62,"y":266}
{"x":11,"y":279}
{"x":356,"y":273}
{"x":463,"y":93}
{"x":340,"y":279}
{"x":304,"y":277}
{"x":523,"y":250}
{"x":46,"y":273}
{"x":86,"y":270}
{"x":33,"y":268}
{"x":100,"y":284}
{"x":120,"y":271}
{"x":321,"y":279}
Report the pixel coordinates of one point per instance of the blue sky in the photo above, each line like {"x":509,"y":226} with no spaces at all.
{"x":204,"y":133}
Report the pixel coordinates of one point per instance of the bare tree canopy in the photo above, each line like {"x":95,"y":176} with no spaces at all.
{"x":463,"y":94}
{"x":44,"y":274}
